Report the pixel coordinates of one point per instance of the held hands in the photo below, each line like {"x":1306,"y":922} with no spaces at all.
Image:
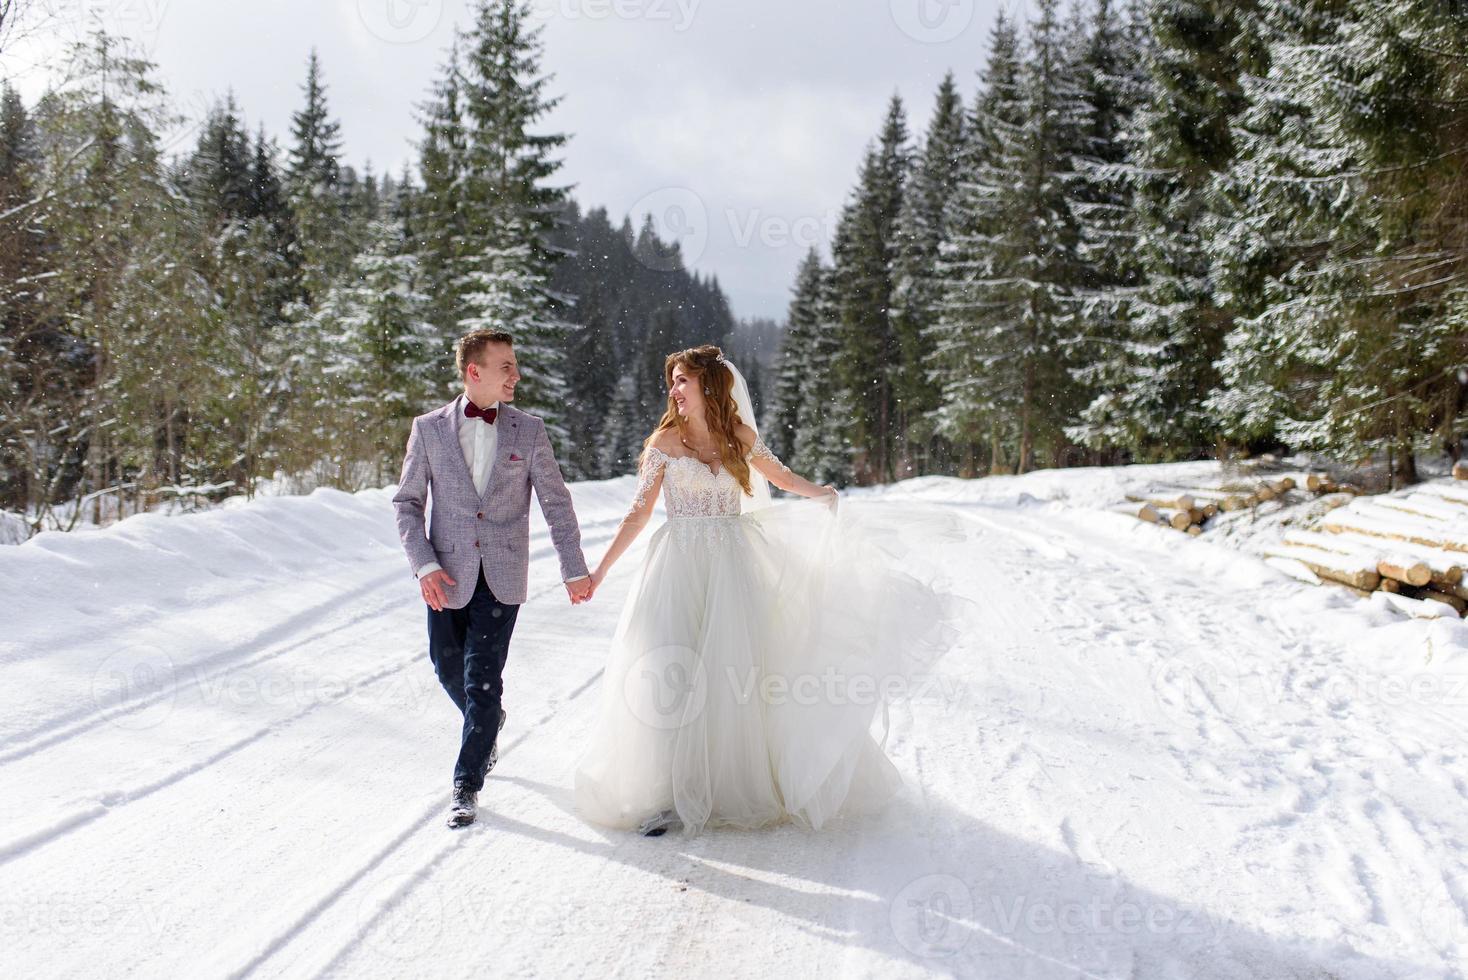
{"x":593,"y":583}
{"x":432,"y":585}
{"x":580,"y":590}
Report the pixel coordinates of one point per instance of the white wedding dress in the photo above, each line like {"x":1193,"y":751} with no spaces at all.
{"x":751,"y":660}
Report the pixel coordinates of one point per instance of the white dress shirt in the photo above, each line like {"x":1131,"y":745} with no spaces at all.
{"x":478,"y":439}
{"x":479,"y":442}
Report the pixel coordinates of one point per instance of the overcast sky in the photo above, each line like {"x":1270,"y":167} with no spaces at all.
{"x":739,"y":124}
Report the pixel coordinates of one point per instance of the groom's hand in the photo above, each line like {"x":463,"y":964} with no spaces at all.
{"x":433,"y":585}
{"x":579,"y":591}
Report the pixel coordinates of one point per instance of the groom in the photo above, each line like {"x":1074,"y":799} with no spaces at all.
{"x":479,"y":457}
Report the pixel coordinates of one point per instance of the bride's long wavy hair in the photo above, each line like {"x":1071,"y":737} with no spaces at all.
{"x":719,"y":409}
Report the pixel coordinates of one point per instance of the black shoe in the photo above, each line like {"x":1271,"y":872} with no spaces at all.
{"x":464,"y":808}
{"x":658,"y":824}
{"x":494,"y":750}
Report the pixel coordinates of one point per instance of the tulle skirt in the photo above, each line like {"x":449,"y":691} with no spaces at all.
{"x":751,"y":660}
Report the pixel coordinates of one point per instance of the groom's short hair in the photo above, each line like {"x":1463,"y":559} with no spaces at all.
{"x":471,"y":346}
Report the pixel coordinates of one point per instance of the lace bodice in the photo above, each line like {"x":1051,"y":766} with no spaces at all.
{"x":690,"y":488}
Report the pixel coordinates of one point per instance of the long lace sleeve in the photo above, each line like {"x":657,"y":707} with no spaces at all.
{"x":653,"y":461}
{"x":760,"y":451}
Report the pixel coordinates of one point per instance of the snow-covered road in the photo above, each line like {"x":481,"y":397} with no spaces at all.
{"x":225,"y":752}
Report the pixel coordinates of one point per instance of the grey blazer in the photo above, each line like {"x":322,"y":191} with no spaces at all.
{"x":466,"y":531}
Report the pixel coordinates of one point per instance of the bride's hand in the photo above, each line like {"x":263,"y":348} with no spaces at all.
{"x":830,"y":497}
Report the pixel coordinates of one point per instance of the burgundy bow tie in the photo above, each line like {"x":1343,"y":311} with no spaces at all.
{"x":473,"y":411}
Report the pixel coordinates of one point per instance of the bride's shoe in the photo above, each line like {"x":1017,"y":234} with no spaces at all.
{"x":659,"y":823}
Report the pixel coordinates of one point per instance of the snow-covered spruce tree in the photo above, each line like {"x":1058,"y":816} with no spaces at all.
{"x":969,"y":410}
{"x":313,"y":176}
{"x":1112,"y":42}
{"x":30,"y":347}
{"x":441,"y":165}
{"x":386,"y":359}
{"x":1349,"y":151}
{"x":591,"y":378}
{"x":622,"y":435}
{"x":131,"y":311}
{"x":306,"y":392}
{"x":503,"y":259}
{"x":823,"y":450}
{"x":1289,"y":190}
{"x":792,"y":371}
{"x":1151,"y":399}
{"x":243,"y":427}
{"x":862,"y":283}
{"x":915,"y":297}
{"x":1028,"y":266}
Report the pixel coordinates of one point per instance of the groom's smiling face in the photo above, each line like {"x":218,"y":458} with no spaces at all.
{"x":493,"y":376}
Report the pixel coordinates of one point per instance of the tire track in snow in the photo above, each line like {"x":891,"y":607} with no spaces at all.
{"x":83,"y":720}
{"x":1294,"y":725}
{"x":421,"y":865}
{"x":88,"y":812}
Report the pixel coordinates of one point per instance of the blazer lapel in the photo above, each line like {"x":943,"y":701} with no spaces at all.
{"x":448,"y":429}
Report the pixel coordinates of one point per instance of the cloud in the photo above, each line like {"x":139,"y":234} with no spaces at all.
{"x":761,"y":107}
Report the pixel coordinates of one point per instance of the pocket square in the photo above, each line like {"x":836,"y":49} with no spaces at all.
{"x":516,"y":459}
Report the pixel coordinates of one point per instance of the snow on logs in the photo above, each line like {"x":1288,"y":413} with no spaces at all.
{"x":1182,"y":512}
{"x":1412,"y":545}
{"x":1189,"y":510}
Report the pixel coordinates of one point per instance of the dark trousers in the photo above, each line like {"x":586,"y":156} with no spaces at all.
{"x":468,"y":648}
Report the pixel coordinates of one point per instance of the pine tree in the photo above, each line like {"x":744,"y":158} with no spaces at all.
{"x":823,"y":450}
{"x":441,"y":165}
{"x":268,"y":205}
{"x":862,"y":278}
{"x":313,"y":176}
{"x":591,"y":376}
{"x":793,"y":373}
{"x":621,"y":437}
{"x":386,"y":358}
{"x":28,"y":345}
{"x":504,"y":260}
{"x":916,"y":292}
{"x":218,"y":173}
{"x":247,"y":243}
{"x":970,"y":410}
{"x":1346,"y":167}
{"x":1174,"y":325}
{"x":1112,"y":60}
{"x":129,"y":307}
{"x":1016,"y":308}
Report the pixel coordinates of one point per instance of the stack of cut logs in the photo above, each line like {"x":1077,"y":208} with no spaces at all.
{"x":1413,"y":546}
{"x":1183,"y":512}
{"x":1188,"y":510}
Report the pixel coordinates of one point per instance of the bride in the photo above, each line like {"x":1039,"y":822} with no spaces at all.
{"x":757,"y":642}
